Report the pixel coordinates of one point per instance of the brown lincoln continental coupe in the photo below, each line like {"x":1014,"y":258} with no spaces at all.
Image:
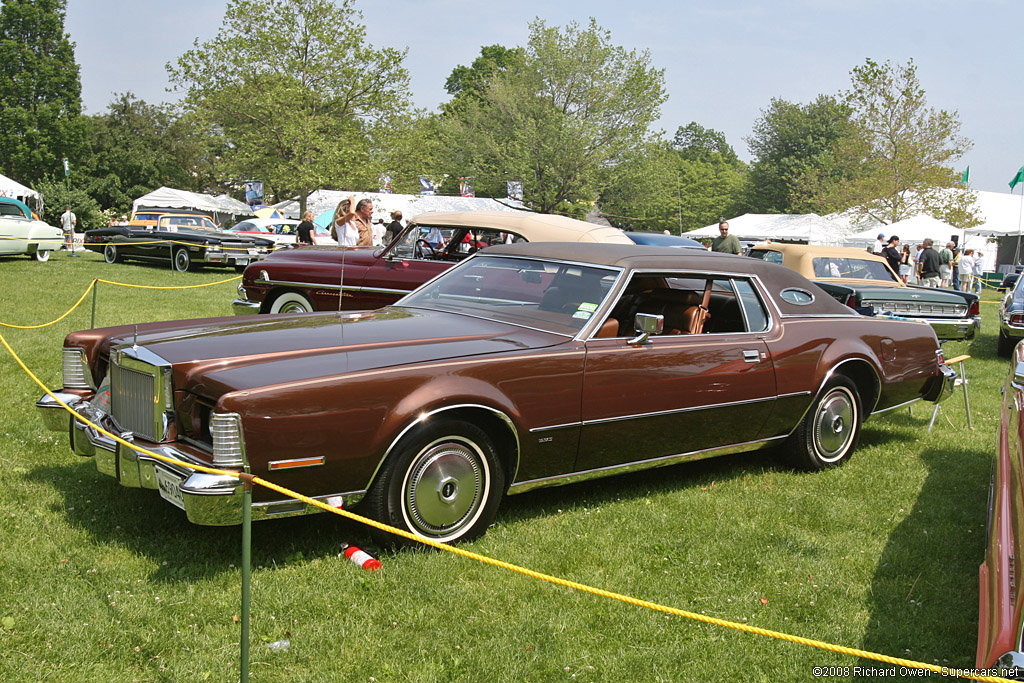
{"x":526,"y":365}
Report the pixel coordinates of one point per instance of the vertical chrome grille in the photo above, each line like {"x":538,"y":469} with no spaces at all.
{"x":133,"y":402}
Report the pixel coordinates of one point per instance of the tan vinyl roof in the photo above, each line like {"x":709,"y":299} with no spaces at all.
{"x":535,"y":227}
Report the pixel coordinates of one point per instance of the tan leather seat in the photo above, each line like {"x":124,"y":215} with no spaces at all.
{"x":610,"y":328}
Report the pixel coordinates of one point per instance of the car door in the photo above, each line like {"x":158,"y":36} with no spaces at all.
{"x":13,"y":230}
{"x":678,"y":393}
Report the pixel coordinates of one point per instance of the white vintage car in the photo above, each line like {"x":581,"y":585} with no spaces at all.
{"x":22,"y":234}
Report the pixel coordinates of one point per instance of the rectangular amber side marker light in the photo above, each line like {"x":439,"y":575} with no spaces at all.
{"x":299,"y":462}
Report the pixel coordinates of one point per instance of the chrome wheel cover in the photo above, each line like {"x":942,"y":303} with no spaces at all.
{"x":445,"y":488}
{"x":110,"y":253}
{"x":293,"y":307}
{"x":181,"y":260}
{"x":835,"y":424}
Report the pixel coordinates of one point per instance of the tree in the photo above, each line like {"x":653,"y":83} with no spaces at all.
{"x":789,"y":141}
{"x":40,"y":91}
{"x":493,"y":60}
{"x":562,"y":123}
{"x":679,"y":186}
{"x":900,"y":159}
{"x":134,"y":150}
{"x":295,"y":94}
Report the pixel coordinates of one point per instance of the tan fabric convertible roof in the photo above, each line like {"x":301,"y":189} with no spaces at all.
{"x":536,"y":227}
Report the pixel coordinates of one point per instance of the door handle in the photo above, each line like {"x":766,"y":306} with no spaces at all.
{"x":751,"y":356}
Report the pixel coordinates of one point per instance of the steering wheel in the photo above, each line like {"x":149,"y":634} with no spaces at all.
{"x":420,"y":243}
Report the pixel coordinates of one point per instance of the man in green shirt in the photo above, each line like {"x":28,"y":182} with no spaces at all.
{"x":726,"y":243}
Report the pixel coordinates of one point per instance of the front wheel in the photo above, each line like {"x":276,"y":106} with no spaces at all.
{"x":828,"y":433}
{"x":442,"y":482}
{"x":291,"y":302}
{"x":182,"y":261}
{"x":42,"y":254}
{"x":111,"y":255}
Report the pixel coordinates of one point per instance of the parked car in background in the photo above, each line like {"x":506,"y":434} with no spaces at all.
{"x":150,"y":217}
{"x":20,"y":233}
{"x":1000,"y":598}
{"x":1011,"y":319}
{"x":352,"y":278}
{"x":1009,"y":280}
{"x":280,"y":230}
{"x":188,"y":241}
{"x":866,"y":283}
{"x":660,"y":239}
{"x":524,"y":366}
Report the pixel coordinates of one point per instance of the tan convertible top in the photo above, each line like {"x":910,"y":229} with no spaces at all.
{"x":535,"y":227}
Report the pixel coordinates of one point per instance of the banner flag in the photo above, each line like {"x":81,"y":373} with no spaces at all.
{"x":426,"y":185}
{"x":253,"y":192}
{"x":385,"y":184}
{"x":515,"y":190}
{"x":466,"y":187}
{"x":1019,"y":178}
{"x":965,"y":176}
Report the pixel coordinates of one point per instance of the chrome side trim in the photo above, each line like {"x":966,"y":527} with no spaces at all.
{"x":422,"y":417}
{"x":331,"y":287}
{"x":795,"y":394}
{"x":287,"y":464}
{"x":901,"y":405}
{"x":674,"y":411}
{"x":664,"y":461}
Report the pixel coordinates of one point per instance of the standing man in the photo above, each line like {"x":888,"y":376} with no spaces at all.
{"x":394,"y":227}
{"x":68,"y":221}
{"x":364,"y":214}
{"x":928,"y":265}
{"x":726,"y":243}
{"x":891,"y":254}
{"x":946,"y":264}
{"x":877,"y":247}
{"x":305,"y":230}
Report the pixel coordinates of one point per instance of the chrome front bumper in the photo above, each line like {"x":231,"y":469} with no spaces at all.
{"x":207,"y":499}
{"x":243,"y":307}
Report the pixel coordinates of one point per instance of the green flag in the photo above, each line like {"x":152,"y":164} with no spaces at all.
{"x":965,"y":176}
{"x":1019,"y":178}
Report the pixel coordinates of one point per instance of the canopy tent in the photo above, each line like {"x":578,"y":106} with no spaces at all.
{"x":222,"y":206}
{"x":809,"y":228}
{"x":15,"y":190}
{"x":910,"y":231}
{"x":411,"y":205}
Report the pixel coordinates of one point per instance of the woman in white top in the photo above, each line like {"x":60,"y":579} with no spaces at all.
{"x":966,"y":266}
{"x":342,"y":228}
{"x":979,"y":271}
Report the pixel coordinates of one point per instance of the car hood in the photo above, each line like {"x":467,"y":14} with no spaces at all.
{"x":214,"y":356}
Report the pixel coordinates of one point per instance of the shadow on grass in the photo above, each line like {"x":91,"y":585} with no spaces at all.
{"x":923,"y":603}
{"x":138,"y":519}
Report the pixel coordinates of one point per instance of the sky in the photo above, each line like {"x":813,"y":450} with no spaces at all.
{"x":723,"y":61}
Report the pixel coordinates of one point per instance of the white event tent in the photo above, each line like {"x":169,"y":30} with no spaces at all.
{"x":222,"y":206}
{"x":384,"y":203}
{"x":15,"y":190}
{"x":809,"y":228}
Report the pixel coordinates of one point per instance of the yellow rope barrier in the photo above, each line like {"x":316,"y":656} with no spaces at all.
{"x":746,"y":628}
{"x":54,"y":322}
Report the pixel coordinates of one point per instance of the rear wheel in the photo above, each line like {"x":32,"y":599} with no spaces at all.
{"x":182,"y":261}
{"x":291,"y":302}
{"x":42,"y":254}
{"x":442,"y":482}
{"x":1004,"y":345}
{"x":111,"y":255}
{"x":828,"y":433}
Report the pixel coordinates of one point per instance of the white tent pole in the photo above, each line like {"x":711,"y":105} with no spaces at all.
{"x":1016,"y":254}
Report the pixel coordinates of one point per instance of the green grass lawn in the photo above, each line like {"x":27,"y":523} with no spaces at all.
{"x":103,"y":583}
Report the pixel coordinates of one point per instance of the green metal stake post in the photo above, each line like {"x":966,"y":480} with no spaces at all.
{"x":92,"y":322}
{"x":246,"y":571}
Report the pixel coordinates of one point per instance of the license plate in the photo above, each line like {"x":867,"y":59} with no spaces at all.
{"x":169,"y":485}
{"x":242,"y":262}
{"x":252,"y":252}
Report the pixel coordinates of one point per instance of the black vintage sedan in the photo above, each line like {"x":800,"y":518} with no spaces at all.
{"x":186,"y":240}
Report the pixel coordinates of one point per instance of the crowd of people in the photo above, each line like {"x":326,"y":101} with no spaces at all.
{"x":949,"y":266}
{"x":352,"y":225}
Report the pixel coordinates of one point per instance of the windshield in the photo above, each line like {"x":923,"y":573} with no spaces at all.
{"x":547,"y":295}
{"x":852,"y":268}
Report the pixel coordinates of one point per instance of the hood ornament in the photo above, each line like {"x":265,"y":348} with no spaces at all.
{"x":135,"y":339}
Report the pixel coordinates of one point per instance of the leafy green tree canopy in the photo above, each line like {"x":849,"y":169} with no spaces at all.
{"x":577,"y":108}
{"x":494,"y":59}
{"x":295,"y":92}
{"x":40,"y":91}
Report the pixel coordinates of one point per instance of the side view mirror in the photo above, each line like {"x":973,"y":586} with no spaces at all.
{"x":645,"y":325}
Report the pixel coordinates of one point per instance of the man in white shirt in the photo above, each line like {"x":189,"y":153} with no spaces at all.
{"x":879,"y":244}
{"x":68,"y":221}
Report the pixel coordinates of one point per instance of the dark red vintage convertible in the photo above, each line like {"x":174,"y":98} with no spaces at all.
{"x":523,"y":366}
